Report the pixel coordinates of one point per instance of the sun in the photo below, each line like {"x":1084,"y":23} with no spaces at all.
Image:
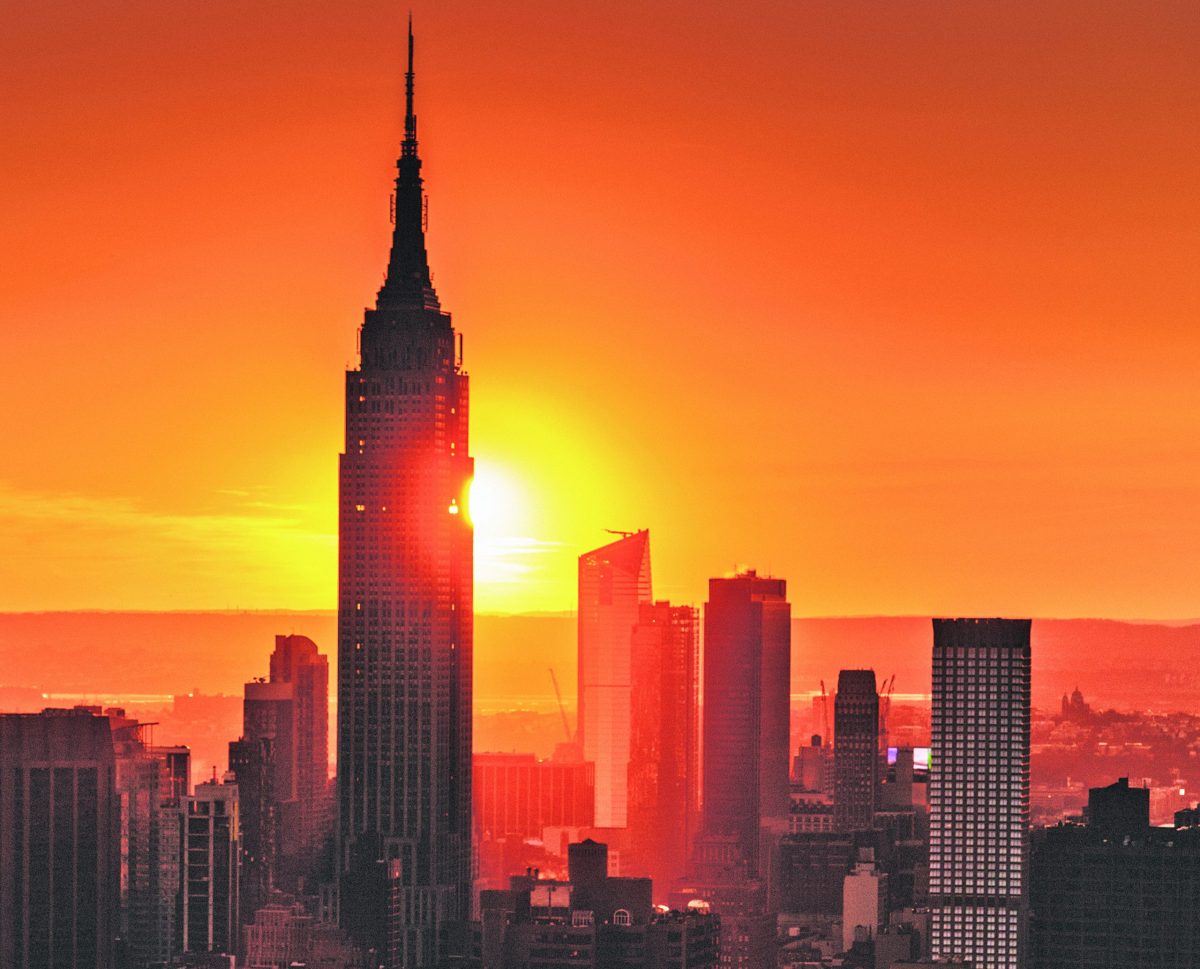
{"x":495,"y":502}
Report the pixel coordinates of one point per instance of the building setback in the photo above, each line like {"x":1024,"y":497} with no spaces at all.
{"x":404,"y":606}
{"x":979,"y":791}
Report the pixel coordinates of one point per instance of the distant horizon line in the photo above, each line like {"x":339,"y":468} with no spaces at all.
{"x":571,"y":613}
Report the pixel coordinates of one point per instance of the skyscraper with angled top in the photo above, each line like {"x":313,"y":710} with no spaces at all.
{"x":404,"y":606}
{"x":614,"y":581}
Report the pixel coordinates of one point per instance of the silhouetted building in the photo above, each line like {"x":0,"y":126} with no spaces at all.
{"x":811,"y":870}
{"x":810,"y":813}
{"x":1119,"y":811}
{"x":1075,"y":709}
{"x":664,"y":765}
{"x":614,"y":581}
{"x":151,"y":783}
{"x":285,"y":726}
{"x":812,"y":767}
{"x":855,"y":751}
{"x":747,"y":683}
{"x":747,"y":671}
{"x":251,"y":763}
{"x":404,"y":599}
{"x":298,"y":663}
{"x":979,"y":791}
{"x":59,"y":853}
{"x":211,"y":868}
{"x":1116,"y":893}
{"x":284,"y":933}
{"x":591,"y":921}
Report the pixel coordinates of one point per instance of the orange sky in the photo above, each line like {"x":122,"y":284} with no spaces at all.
{"x":898,"y":301}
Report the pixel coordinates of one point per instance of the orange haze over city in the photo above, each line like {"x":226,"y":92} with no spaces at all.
{"x":896,"y":301}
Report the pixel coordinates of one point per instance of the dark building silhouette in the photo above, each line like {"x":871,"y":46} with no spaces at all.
{"x":664,"y":766}
{"x":747,"y":682}
{"x":747,"y":671}
{"x":591,"y":921}
{"x":614,"y":581}
{"x":1074,"y":708}
{"x":404,"y":604}
{"x":812,"y":767}
{"x":1115,"y":893}
{"x":251,"y":763}
{"x":59,"y":852}
{"x":811,"y":870}
{"x":855,"y":751}
{"x":1119,"y":811}
{"x":211,"y":871}
{"x":151,"y":783}
{"x":285,"y":732}
{"x":297,"y":662}
{"x":979,"y":791}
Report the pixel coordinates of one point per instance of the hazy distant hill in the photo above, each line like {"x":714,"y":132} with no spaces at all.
{"x":1121,"y":663}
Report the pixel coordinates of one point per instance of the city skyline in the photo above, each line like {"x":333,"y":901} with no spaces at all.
{"x":883,"y":315}
{"x":877,"y":234}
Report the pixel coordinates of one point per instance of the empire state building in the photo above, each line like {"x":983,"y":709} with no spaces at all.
{"x":404,"y":607}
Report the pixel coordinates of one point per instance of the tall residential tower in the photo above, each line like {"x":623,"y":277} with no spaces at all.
{"x":979,"y":792}
{"x":404,"y":605}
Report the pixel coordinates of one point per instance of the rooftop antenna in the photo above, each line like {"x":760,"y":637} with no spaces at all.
{"x":410,"y":118}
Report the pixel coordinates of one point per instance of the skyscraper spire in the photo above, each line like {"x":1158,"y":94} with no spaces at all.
{"x":410,"y":119}
{"x":408,"y":281}
{"x":405,"y":619}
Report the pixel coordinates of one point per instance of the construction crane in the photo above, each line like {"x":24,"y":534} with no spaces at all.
{"x":825,"y":712}
{"x":617,"y":531}
{"x":562,"y":711}
{"x":885,"y":708}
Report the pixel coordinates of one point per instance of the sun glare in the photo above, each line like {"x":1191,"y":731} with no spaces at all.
{"x":495,"y":504}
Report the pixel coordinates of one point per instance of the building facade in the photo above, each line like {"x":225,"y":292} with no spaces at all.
{"x":856,"y":761}
{"x":1115,"y":892}
{"x":664,"y":753}
{"x":614,"y":582}
{"x":747,"y":711}
{"x":59,"y":850}
{"x":285,"y":732}
{"x":211,"y":869}
{"x":519,"y":795}
{"x":979,"y":791}
{"x":151,"y":783}
{"x":591,"y":921}
{"x":404,"y":602}
{"x":298,"y":663}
